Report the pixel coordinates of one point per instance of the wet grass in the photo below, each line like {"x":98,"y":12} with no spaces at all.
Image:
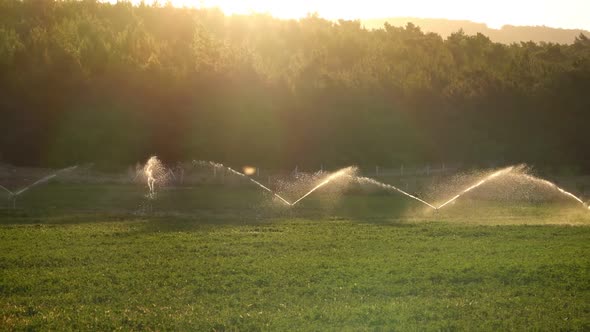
{"x":214,"y":259}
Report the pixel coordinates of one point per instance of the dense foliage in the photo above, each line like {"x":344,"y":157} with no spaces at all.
{"x":88,"y":81}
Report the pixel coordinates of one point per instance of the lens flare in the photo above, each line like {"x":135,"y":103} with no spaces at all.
{"x":249,"y":170}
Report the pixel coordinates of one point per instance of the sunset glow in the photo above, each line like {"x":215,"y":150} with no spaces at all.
{"x":560,"y":14}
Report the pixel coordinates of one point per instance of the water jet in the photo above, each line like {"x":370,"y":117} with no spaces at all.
{"x":479,"y":183}
{"x":330,"y":178}
{"x":233,"y":171}
{"x":391,"y":187}
{"x":14,"y":195}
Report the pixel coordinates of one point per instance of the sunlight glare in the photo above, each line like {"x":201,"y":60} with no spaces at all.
{"x":564,"y":14}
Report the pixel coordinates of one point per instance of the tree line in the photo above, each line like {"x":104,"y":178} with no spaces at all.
{"x":85,"y":81}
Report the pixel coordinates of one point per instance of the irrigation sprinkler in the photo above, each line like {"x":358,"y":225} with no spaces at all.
{"x":517,"y":170}
{"x":14,"y":195}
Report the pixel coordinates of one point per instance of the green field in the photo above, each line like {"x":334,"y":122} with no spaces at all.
{"x":80,"y":257}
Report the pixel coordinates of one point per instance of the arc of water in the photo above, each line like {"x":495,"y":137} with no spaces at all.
{"x":347,"y":170}
{"x":38,"y":182}
{"x":270,"y":191}
{"x":554,"y":186}
{"x":8,"y":191}
{"x":391,"y":187}
{"x":14,"y":195}
{"x":213,"y":164}
{"x":67,"y":169}
{"x":329,"y":179}
{"x":42,"y":180}
{"x":479,"y":183}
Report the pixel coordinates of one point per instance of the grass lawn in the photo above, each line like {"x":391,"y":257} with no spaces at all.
{"x":212,"y":259}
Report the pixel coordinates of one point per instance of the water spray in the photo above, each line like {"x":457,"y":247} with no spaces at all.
{"x":486,"y":179}
{"x":233,"y":171}
{"x":342,"y":172}
{"x":14,"y":195}
{"x":554,"y":186}
{"x":270,"y":191}
{"x":390,"y":187}
{"x":10,"y":193}
{"x":347,"y":172}
{"x":155,"y":174}
{"x":38,"y":182}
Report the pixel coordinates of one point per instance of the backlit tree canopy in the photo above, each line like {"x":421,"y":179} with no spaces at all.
{"x":88,"y":81}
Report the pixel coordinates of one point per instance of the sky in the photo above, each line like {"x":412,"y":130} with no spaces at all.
{"x":569,"y":14}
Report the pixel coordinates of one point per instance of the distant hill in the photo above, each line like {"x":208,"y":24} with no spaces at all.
{"x":507,"y":34}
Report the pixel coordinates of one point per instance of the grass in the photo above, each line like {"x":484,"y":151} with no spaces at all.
{"x":79,"y":258}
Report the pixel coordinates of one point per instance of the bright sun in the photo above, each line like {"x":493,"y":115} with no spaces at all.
{"x":280,"y":9}
{"x":452,"y":9}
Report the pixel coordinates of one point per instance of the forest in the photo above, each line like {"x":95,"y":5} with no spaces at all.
{"x":507,"y":34}
{"x":85,"y":81}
